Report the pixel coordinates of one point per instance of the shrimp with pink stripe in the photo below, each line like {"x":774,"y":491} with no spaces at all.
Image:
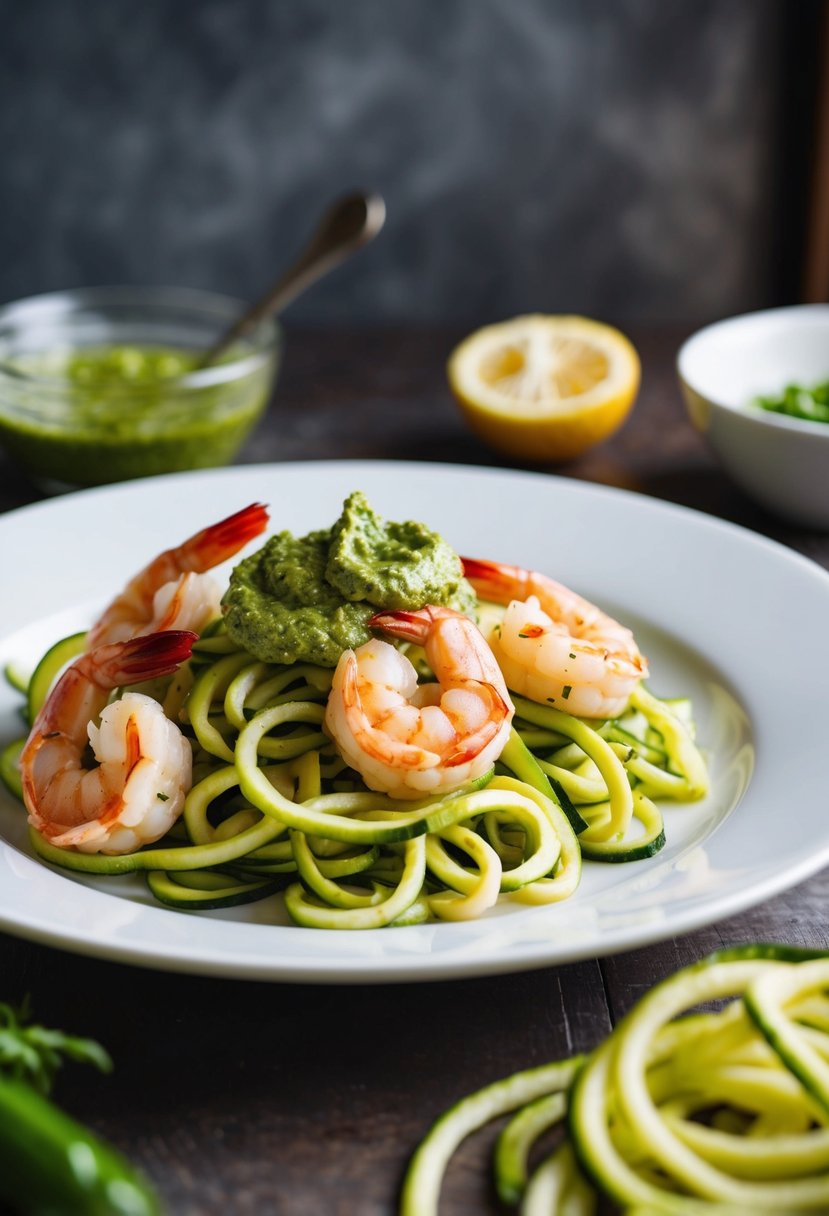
{"x":135,"y":791}
{"x":414,"y":740}
{"x":554,"y":646}
{"x":174,"y":591}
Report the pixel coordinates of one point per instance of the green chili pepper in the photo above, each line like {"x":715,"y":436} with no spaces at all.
{"x":50,"y":1165}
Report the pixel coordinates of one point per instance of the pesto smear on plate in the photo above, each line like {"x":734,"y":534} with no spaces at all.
{"x":307,"y":599}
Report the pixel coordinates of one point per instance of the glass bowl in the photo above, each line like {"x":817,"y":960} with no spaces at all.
{"x":101,"y":384}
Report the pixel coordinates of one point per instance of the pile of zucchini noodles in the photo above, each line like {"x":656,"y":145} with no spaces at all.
{"x":274,"y":807}
{"x":679,"y":1112}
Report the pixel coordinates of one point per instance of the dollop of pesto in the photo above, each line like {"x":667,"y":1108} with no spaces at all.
{"x":307,"y":599}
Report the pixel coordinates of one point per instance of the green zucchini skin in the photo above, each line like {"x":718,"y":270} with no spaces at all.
{"x":635,"y":851}
{"x":52,"y":1166}
{"x":230,"y":894}
{"x":16,"y":678}
{"x":10,"y":768}
{"x":48,"y":669}
{"x":765,"y":1004}
{"x":647,"y":845}
{"x":521,"y":761}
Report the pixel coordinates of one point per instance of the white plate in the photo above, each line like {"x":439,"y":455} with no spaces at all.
{"x":723,"y":615}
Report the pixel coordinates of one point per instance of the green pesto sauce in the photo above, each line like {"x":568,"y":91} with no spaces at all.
{"x":112,"y":413}
{"x":100,"y":372}
{"x":307,"y":599}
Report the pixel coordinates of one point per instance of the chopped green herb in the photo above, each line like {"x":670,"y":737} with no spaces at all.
{"x":566,"y":690}
{"x":811,"y":404}
{"x":162,"y":797}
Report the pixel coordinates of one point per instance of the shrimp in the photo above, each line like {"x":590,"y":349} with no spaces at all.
{"x":173,"y":591}
{"x":136,"y":791}
{"x":411,"y":740}
{"x":555,"y":647}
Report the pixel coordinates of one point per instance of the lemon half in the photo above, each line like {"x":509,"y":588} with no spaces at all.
{"x":545,"y":388}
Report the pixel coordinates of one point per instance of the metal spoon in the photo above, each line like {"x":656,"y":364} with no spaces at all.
{"x":349,"y":223}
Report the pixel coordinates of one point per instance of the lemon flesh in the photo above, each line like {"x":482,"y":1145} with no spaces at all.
{"x":545,"y":388}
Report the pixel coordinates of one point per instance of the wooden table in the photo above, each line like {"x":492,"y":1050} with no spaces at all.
{"x":241,"y":1098}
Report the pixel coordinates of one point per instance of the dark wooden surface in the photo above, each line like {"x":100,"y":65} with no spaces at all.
{"x":241,"y":1098}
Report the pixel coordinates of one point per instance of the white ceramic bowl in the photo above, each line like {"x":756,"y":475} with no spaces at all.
{"x":780,"y":461}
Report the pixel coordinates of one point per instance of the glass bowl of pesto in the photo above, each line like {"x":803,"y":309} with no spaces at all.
{"x":754,"y":386}
{"x":102,"y":384}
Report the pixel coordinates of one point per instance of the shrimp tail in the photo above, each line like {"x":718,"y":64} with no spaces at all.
{"x":493,"y":580}
{"x":141,"y":658}
{"x":220,"y":541}
{"x":409,"y":626}
{"x":474,"y":567}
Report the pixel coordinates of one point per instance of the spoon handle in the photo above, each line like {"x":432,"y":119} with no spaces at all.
{"x":348,"y":224}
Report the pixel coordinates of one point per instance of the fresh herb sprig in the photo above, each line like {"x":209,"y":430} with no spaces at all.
{"x":33,"y":1053}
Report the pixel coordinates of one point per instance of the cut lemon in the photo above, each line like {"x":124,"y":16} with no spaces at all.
{"x":545,"y":388}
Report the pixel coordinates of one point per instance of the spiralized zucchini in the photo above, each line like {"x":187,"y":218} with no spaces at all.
{"x":274,"y":807}
{"x":677,"y":1113}
{"x":608,"y":774}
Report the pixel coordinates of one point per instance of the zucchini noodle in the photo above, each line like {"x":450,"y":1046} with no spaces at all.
{"x":676,"y":1113}
{"x":608,"y":773}
{"x":275,"y":808}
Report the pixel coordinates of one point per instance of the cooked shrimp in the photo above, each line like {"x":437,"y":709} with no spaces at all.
{"x":411,"y":740}
{"x":173,"y":591}
{"x":553,"y":646}
{"x":135,"y":792}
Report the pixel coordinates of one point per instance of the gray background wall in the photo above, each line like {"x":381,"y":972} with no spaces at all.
{"x":609,"y":156}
